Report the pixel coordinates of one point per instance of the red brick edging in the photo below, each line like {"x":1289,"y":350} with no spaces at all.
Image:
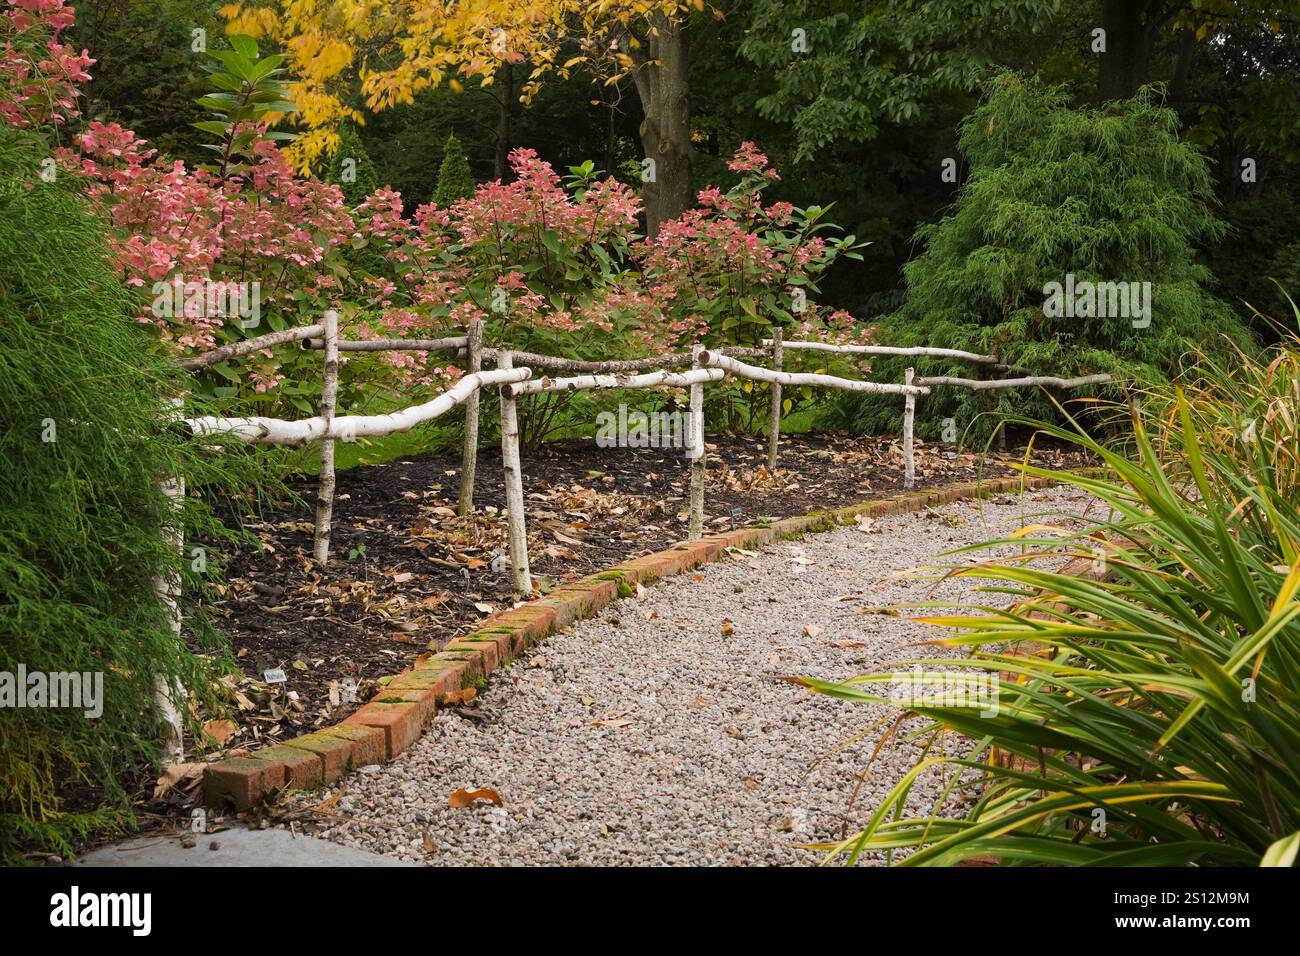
{"x":395,"y":717}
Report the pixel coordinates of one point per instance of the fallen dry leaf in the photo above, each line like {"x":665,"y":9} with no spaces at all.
{"x":220,"y":730}
{"x":616,"y":721}
{"x":848,"y":644}
{"x":463,"y":798}
{"x":329,"y":803}
{"x":181,"y":776}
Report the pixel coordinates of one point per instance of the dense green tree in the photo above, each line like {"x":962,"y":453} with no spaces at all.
{"x":1106,"y":194}
{"x":455,"y":181}
{"x":351,"y":169}
{"x":86,"y":531}
{"x":845,"y":68}
{"x":148,"y":66}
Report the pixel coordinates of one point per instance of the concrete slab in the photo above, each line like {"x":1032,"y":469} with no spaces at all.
{"x":235,"y":847}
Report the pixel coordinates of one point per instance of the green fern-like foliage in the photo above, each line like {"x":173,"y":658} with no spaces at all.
{"x":351,"y":169}
{"x":1108,"y":194}
{"x":83,"y":522}
{"x":455,"y":181}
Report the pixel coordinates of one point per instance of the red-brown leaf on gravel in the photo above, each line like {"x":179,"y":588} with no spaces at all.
{"x":462,"y":798}
{"x":329,"y":803}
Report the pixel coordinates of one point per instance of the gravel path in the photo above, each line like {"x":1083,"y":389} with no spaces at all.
{"x":658,"y":732}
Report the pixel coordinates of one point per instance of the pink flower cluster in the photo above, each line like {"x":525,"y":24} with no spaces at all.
{"x":549,"y":268}
{"x":731,"y":262}
{"x":268,"y":226}
{"x":38,"y":74}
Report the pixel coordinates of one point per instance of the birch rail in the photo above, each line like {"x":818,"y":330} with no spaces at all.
{"x":646,"y":380}
{"x":614,"y":366}
{"x":986,"y":384}
{"x":815,"y":379}
{"x":278,"y":431}
{"x":248,"y":346}
{"x":452,"y":344}
{"x":902,"y":351}
{"x":705,"y":366}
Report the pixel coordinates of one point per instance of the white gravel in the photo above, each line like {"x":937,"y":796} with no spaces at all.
{"x":658,"y":732}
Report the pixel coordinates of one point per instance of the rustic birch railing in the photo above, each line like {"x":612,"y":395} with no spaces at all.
{"x":514,"y":378}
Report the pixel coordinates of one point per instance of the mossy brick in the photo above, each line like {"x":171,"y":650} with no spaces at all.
{"x":240,"y":782}
{"x":565,"y":611}
{"x":790,"y":527}
{"x":534,"y":620}
{"x":652,"y":567}
{"x":692,"y":554}
{"x":747,"y":537}
{"x":401,"y":723}
{"x":467,"y":669}
{"x":580,"y":602}
{"x":302,"y":770}
{"x":426,"y":697}
{"x":335,"y":752}
{"x":712,"y":545}
{"x":602,"y":592}
{"x":369,"y":744}
{"x":503,"y":639}
{"x":444,"y":678}
{"x":486,"y":653}
{"x":580,"y":599}
{"x":463,"y":659}
{"x":418,"y":679}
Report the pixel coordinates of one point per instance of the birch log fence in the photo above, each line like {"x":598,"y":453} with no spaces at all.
{"x":513,"y":376}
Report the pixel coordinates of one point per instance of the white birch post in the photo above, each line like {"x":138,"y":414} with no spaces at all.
{"x":517,"y":530}
{"x":909,"y":422}
{"x":169,"y":591}
{"x":774,"y":416}
{"x":695,"y":451}
{"x":328,"y":399}
{"x":469,"y":458}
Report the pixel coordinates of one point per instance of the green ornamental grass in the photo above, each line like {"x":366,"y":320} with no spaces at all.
{"x":1165,"y":692}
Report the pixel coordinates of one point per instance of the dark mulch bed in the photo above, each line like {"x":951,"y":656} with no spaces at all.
{"x":406,"y":571}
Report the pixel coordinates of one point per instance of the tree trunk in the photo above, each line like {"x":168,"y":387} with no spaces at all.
{"x":506,"y":83}
{"x":1183,"y":68}
{"x":1130,"y":32}
{"x":666,"y":130}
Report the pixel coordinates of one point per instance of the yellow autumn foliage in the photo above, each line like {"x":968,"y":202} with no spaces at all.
{"x":389,"y":50}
